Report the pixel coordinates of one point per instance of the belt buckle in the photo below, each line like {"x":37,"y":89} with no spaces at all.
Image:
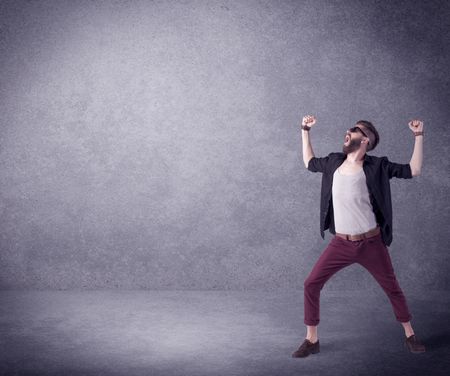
{"x":361,"y":236}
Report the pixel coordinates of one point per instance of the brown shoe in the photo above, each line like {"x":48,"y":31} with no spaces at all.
{"x":306,"y":348}
{"x":414,"y":345}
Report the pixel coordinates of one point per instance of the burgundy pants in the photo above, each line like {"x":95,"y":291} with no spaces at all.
{"x":373,"y":255}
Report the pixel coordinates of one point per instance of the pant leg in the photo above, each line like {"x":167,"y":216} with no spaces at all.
{"x":336,"y":256}
{"x":374,"y":256}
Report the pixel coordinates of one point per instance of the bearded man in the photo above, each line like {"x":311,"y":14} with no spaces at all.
{"x":356,"y":207}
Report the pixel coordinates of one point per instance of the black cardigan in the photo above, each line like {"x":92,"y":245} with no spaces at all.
{"x":378,"y":171}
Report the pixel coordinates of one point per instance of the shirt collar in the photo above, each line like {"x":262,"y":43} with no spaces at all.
{"x":368,"y":159}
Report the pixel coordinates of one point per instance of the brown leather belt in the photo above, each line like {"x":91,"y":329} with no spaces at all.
{"x":368,"y":234}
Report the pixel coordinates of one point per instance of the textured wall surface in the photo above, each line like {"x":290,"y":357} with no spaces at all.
{"x":155,"y":144}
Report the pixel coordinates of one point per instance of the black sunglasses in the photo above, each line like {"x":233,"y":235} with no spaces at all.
{"x":355,"y":129}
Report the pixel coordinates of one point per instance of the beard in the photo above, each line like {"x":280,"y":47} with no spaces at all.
{"x":352,"y":146}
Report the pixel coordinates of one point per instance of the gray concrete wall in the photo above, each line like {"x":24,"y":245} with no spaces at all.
{"x":156,"y":144}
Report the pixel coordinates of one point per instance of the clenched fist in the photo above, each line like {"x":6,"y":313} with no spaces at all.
{"x":416,"y":125}
{"x":309,"y":120}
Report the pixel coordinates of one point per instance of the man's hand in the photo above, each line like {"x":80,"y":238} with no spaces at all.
{"x":416,"y":125}
{"x":309,"y":120}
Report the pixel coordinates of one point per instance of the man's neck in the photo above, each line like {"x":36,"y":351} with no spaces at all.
{"x":356,"y":157}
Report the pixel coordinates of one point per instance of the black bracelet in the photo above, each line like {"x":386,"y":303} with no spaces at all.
{"x":306,"y":128}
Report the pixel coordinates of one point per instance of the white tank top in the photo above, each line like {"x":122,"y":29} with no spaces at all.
{"x":353,"y":212}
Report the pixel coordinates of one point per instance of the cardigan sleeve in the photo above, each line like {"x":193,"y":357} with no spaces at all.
{"x":398,"y":170}
{"x":318,"y":164}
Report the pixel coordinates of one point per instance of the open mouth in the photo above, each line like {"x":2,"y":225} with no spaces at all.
{"x":347,"y":139}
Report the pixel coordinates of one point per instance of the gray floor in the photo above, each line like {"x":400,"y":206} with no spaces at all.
{"x":215,"y":333}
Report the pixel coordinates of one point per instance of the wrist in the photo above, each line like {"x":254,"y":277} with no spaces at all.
{"x":418,"y":133}
{"x":305,"y":128}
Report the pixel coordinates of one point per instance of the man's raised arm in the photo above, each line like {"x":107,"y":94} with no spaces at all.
{"x":308,"y":153}
{"x":417,"y":157}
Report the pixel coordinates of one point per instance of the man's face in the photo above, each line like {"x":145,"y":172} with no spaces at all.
{"x":352,"y":141}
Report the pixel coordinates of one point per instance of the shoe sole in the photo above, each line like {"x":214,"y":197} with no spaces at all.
{"x":412,"y":351}
{"x":311,"y":352}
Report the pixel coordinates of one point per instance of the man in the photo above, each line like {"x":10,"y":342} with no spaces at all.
{"x":356,"y":207}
